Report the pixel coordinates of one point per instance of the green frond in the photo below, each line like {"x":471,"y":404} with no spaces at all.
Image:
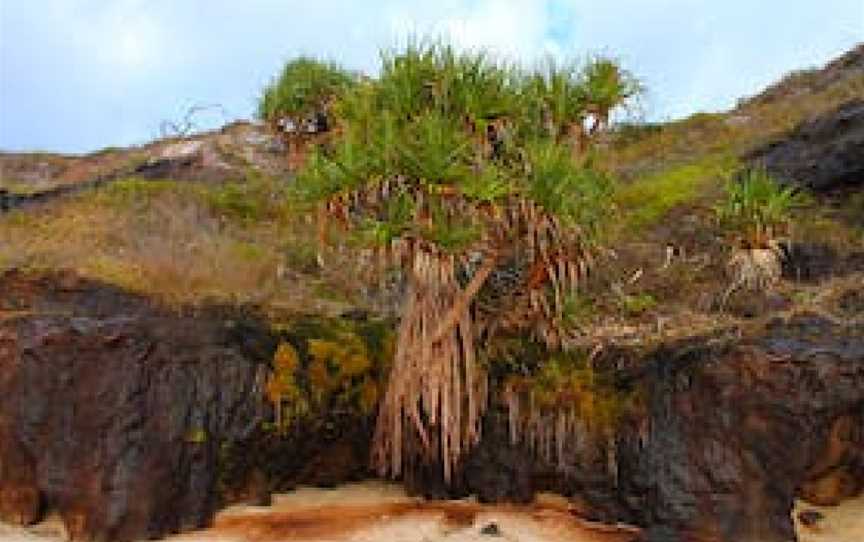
{"x":757,"y":203}
{"x":607,"y":85}
{"x":576,"y":194}
{"x":435,"y":150}
{"x":303,"y":86}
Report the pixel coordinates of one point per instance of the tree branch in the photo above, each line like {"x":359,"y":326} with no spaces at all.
{"x":465,"y":297}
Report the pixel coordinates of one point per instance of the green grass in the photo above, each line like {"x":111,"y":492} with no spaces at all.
{"x":181,"y":242}
{"x":636,"y":304}
{"x":644,"y":201}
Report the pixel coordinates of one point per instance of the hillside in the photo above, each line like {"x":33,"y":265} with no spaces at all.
{"x":202,"y":219}
{"x":180,"y":283}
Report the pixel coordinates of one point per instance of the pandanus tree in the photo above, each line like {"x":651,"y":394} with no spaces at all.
{"x":607,"y":86}
{"x":758,"y":212}
{"x":573,"y":102}
{"x":557,"y":96}
{"x":414,"y":183}
{"x":302,"y":93}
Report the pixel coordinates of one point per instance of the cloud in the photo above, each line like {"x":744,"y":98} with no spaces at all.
{"x":509,"y":28}
{"x":82,"y":74}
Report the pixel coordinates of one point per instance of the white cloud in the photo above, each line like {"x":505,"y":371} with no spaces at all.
{"x":105,"y":42}
{"x":510,"y":28}
{"x":92,"y":62}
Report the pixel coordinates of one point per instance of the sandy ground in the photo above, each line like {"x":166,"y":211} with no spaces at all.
{"x":375,"y":512}
{"x":378,"y":512}
{"x":842,"y":523}
{"x":49,"y":531}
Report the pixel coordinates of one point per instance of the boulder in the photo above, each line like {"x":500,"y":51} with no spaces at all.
{"x":736,"y":429}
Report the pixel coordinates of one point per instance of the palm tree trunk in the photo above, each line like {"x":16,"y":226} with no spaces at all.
{"x":463,"y":301}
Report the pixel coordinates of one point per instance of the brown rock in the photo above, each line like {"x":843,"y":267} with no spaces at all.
{"x":20,"y":504}
{"x":831,"y":488}
{"x":104,"y":390}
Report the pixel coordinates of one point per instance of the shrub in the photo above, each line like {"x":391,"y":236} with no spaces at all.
{"x":304,"y":86}
{"x":282,"y":389}
{"x":758,"y":208}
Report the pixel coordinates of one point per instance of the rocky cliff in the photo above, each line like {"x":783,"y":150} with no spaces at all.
{"x":127,"y":420}
{"x":736,"y":426}
{"x":825,"y":153}
{"x":736,"y":432}
{"x":113,"y":412}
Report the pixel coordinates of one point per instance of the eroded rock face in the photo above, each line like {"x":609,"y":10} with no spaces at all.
{"x":131,"y":422}
{"x":324,"y":451}
{"x":734,"y":433}
{"x":734,"y":429}
{"x":117,"y":421}
{"x":821,"y":154}
{"x":499,"y":470}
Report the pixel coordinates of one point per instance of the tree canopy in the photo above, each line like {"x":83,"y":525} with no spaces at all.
{"x":304,"y":86}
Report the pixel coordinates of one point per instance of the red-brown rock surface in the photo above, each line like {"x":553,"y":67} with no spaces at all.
{"x":113,"y":413}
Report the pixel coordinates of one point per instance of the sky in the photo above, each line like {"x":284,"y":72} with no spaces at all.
{"x":79,"y":75}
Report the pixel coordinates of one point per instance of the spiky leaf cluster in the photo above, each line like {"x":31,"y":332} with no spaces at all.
{"x":461,"y":124}
{"x":304,"y":86}
{"x":758,"y":207}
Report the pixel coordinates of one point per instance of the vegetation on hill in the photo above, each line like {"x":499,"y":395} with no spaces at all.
{"x":456,"y":169}
{"x":492,"y":190}
{"x":759,"y":212}
{"x":304,"y":87}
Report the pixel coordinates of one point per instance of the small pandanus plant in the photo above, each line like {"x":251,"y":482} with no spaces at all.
{"x":758,"y":211}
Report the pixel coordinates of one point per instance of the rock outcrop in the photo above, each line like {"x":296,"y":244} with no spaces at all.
{"x":734,"y":429}
{"x":735,"y":433}
{"x":821,"y":154}
{"x":114,"y":413}
{"x":133,"y":422}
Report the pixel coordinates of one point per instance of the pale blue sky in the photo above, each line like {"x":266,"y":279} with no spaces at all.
{"x":78,"y":75}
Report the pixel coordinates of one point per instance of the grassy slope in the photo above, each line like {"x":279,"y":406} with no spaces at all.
{"x":182,"y":242}
{"x":670,"y":178}
{"x":186,"y":242}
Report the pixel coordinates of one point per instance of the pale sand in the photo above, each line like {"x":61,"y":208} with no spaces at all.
{"x":378,"y":512}
{"x":842,"y":523}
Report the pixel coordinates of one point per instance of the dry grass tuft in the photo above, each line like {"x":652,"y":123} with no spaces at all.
{"x":170,"y":240}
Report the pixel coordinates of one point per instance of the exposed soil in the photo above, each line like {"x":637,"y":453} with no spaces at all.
{"x":228,"y":153}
